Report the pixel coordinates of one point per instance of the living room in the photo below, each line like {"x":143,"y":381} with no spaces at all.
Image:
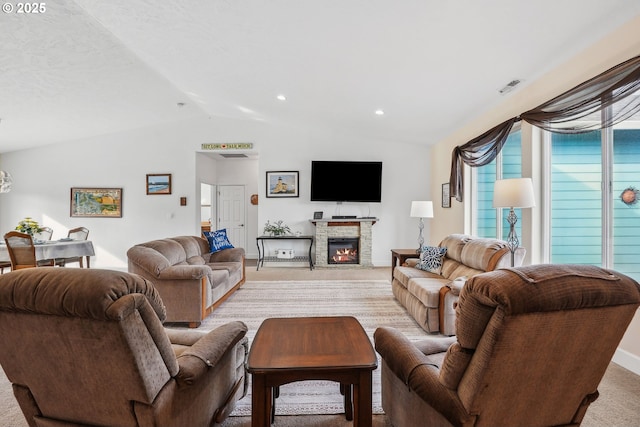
{"x":44,"y":174}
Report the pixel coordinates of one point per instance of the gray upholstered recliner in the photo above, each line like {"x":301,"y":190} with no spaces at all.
{"x":87,"y":347}
{"x":532,"y":346}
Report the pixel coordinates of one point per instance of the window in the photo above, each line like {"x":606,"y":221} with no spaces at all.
{"x":590,"y":222}
{"x":508,"y":164}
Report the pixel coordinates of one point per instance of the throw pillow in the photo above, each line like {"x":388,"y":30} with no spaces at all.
{"x":431,"y":259}
{"x":218,"y":240}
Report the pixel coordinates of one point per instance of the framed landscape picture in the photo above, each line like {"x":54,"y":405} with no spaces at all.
{"x":446,"y":195}
{"x":282,"y":184}
{"x":158,"y":183}
{"x":96,"y":202}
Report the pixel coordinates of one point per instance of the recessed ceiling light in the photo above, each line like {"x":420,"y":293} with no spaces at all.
{"x":281,"y":97}
{"x":379,"y":113}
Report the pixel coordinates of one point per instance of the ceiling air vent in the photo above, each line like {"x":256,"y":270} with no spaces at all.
{"x":234,"y":156}
{"x":510,"y":86}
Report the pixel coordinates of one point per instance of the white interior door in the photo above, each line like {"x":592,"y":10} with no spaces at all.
{"x":231,"y":213}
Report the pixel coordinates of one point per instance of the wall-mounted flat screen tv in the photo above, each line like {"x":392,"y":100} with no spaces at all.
{"x":346,"y":181}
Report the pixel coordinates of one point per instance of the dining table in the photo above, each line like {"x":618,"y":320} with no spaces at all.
{"x":56,"y":249}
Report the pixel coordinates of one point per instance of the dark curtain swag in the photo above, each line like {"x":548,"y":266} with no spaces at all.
{"x":614,"y":87}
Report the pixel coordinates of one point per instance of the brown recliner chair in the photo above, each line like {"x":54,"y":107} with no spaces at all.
{"x":531,"y":348}
{"x":87,"y":347}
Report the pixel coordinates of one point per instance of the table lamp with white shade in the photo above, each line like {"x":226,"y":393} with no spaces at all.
{"x":421,"y":209}
{"x":513,"y":193}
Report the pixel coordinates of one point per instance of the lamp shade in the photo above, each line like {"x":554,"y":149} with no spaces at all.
{"x":513,"y":193}
{"x":422,"y":209}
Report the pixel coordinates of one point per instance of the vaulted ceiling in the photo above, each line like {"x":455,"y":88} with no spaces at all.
{"x":91,"y":67}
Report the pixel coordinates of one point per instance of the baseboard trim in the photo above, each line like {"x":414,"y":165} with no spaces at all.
{"x":627,"y":360}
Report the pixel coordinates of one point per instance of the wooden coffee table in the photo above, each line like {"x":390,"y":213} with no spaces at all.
{"x":337,"y":349}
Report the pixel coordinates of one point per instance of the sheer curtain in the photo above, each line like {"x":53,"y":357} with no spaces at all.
{"x":614,"y":86}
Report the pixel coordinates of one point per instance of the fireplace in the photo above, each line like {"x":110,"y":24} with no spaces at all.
{"x":343,"y":250}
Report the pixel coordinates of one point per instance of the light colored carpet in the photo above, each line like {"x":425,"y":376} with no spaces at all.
{"x":369,"y":301}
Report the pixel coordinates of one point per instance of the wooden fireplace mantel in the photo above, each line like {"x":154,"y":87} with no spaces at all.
{"x":344,"y":222}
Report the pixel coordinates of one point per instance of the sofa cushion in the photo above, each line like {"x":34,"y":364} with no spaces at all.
{"x":431,"y":259}
{"x":483,"y":254}
{"x":229,"y":266}
{"x":218,"y":240}
{"x":195,"y":260}
{"x":455,"y":243}
{"x":427,"y":290}
{"x":217,"y":278}
{"x":403,"y":274}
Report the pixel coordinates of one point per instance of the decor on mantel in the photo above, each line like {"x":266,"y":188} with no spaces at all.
{"x":276,"y":229}
{"x":421,"y":209}
{"x":5,"y":182}
{"x":513,"y":193}
{"x":29,"y":226}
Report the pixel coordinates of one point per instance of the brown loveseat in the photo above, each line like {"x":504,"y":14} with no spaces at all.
{"x":531,"y":348}
{"x":423,"y":293}
{"x":87,"y":347}
{"x":191,"y":280}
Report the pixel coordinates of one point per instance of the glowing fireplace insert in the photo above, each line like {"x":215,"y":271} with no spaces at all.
{"x":343,"y":250}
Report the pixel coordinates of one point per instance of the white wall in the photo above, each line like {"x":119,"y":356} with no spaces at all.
{"x":43,"y":178}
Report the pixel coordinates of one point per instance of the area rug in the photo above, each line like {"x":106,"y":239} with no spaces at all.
{"x":369,"y":301}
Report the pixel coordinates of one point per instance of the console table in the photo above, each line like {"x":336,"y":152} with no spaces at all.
{"x":302,"y":258}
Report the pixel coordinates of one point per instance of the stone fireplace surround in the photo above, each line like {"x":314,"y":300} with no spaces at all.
{"x":352,"y":227}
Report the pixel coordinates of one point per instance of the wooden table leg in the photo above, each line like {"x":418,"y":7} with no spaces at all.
{"x":394,"y":261}
{"x":275,"y":393}
{"x":347,"y":391}
{"x":261,"y":402}
{"x":362,"y":402}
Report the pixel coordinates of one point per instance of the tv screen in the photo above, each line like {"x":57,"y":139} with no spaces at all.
{"x":344,"y":181}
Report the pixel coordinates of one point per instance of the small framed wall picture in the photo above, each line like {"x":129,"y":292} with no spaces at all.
{"x":158,"y":183}
{"x":446,"y":195}
{"x":317,"y":215}
{"x":282,"y":184}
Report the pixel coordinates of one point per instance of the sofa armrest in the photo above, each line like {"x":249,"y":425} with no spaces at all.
{"x":228,"y":255}
{"x":184,"y":272}
{"x":411,"y":262}
{"x":414,"y":369}
{"x":457,"y":285}
{"x":208,"y":350}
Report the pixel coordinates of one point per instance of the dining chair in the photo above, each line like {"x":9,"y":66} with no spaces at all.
{"x":4,"y":265}
{"x":44,"y":234}
{"x":79,"y":233}
{"x":22,"y":252}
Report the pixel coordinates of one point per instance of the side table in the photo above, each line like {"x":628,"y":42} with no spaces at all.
{"x":399,"y":256}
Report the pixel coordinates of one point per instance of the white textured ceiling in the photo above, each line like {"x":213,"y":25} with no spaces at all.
{"x":92,"y":67}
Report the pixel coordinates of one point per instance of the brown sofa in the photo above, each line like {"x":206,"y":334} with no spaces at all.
{"x":87,"y":347}
{"x":423,"y":293}
{"x":531,"y":348}
{"x":191,"y":280}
